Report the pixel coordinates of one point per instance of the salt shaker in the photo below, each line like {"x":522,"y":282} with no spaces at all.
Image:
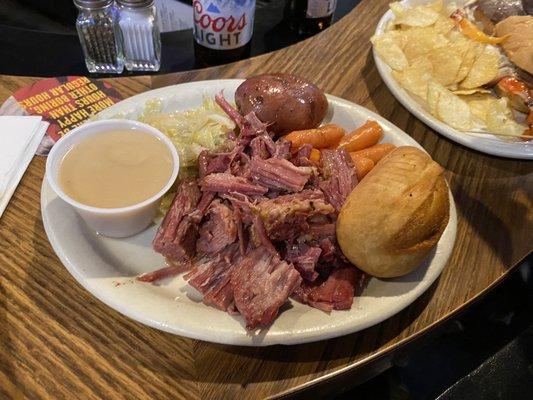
{"x":140,"y":35}
{"x":99,"y":36}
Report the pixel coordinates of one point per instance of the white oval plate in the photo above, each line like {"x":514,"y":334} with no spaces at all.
{"x":485,"y":143}
{"x":107,"y":267}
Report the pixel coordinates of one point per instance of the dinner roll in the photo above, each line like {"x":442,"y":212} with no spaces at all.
{"x":395,"y":215}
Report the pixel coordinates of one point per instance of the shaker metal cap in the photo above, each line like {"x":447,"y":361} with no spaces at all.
{"x":92,"y":4}
{"x":135,"y":3}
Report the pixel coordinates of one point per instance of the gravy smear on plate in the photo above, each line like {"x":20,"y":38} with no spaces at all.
{"x":116,"y":169}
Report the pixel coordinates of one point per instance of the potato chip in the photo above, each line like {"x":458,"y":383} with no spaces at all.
{"x":436,"y":6}
{"x":450,"y":108}
{"x":397,"y":8}
{"x":389,"y":51}
{"x":479,"y":104}
{"x":454,"y":111}
{"x":435,"y":62}
{"x":466,"y":92}
{"x":421,"y":41}
{"x":443,"y":24}
{"x":452,"y":87}
{"x":500,"y":119}
{"x":467,"y":49}
{"x":399,"y":37}
{"x":415,"y":77}
{"x":433,"y":94}
{"x":446,"y":63}
{"x":484,"y":69}
{"x":414,"y":16}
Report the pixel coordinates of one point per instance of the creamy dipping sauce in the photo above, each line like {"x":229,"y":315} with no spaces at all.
{"x":116,"y":169}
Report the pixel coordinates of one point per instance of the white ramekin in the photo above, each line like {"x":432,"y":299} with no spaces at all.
{"x":112,"y":222}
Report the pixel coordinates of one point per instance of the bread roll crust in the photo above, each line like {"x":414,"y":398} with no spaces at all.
{"x":395,"y":215}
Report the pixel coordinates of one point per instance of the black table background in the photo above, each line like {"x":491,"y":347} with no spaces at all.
{"x":39,"y":41}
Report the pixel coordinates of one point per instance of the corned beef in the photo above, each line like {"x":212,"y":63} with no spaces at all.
{"x":261,"y":284}
{"x":283,"y":149}
{"x":287,"y":217}
{"x":218,"y":229}
{"x":211,"y":277}
{"x":304,"y":258}
{"x":301,"y":158}
{"x":338,"y":176}
{"x":262,"y":147}
{"x":335,"y":293}
{"x":279,"y":174}
{"x":212,"y":163}
{"x":176,"y":236}
{"x":248,"y":203}
{"x":227,"y":183}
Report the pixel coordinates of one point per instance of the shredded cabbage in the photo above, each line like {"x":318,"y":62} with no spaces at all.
{"x":191,"y":131}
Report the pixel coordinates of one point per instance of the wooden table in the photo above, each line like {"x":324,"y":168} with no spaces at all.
{"x":57,"y":341}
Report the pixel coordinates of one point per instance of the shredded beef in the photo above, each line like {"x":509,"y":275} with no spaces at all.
{"x":247,"y":204}
{"x":262,"y":147}
{"x":320,"y":230}
{"x":252,"y":127}
{"x":338,"y":176}
{"x":261,"y":284}
{"x":283,"y":149}
{"x":287,"y":217}
{"x":237,"y":216}
{"x":328,"y":250}
{"x":218,"y":229}
{"x":260,"y":236}
{"x":240,"y":165}
{"x":335,"y":293}
{"x":228,"y":109}
{"x":211,"y":277}
{"x":210,"y":164}
{"x":244,"y":204}
{"x":279,"y":174}
{"x":159,"y":274}
{"x":301,"y":158}
{"x":176,"y":236}
{"x":227,"y":183}
{"x":203,"y":204}
{"x":304,"y":258}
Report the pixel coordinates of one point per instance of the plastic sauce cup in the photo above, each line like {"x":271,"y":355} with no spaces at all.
{"x":112,"y":222}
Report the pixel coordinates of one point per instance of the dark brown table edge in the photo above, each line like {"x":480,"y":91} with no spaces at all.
{"x":381,"y":361}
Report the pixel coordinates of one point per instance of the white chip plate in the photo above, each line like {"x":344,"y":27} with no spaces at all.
{"x":485,"y":143}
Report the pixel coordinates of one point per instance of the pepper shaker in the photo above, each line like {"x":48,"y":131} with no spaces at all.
{"x":99,"y":36}
{"x":140,"y":35}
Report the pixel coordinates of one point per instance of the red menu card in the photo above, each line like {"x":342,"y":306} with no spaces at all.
{"x":65,"y":102}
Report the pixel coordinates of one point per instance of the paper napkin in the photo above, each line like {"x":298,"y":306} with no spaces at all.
{"x":19,"y":138}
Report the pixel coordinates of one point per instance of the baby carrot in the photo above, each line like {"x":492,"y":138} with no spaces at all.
{"x":319,"y":138}
{"x":362,"y":165}
{"x":365,"y":136}
{"x":314,"y":156}
{"x":376,"y":152}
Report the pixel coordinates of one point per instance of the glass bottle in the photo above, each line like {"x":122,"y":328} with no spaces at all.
{"x":98,"y":33}
{"x":141,"y":39}
{"x":308,"y":17}
{"x":222,"y":30}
